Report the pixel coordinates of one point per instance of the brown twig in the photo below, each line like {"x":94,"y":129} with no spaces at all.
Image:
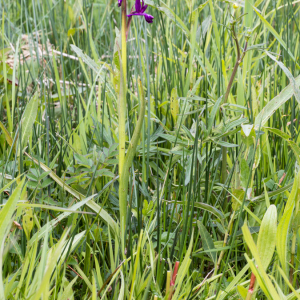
{"x":238,"y":61}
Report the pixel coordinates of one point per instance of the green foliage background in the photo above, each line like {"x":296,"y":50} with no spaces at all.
{"x":214,"y":182}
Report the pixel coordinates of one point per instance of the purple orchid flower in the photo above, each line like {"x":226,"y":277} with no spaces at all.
{"x":120,"y":2}
{"x":140,"y":11}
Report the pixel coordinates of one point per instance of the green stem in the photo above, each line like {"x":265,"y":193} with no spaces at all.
{"x":122,"y":121}
{"x":124,"y":179}
{"x":123,"y":92}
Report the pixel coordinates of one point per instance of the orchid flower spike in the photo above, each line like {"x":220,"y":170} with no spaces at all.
{"x":120,"y":2}
{"x":140,"y":11}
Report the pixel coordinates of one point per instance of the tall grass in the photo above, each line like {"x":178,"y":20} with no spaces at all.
{"x":212,"y":203}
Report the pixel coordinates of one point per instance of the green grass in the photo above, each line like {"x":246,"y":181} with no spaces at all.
{"x":213,"y":184}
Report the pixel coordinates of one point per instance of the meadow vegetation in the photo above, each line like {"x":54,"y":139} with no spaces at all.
{"x":149,"y":157}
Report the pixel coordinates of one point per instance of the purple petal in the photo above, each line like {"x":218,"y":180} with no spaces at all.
{"x":144,"y":8}
{"x":120,"y":2}
{"x":134,"y":14}
{"x":138,"y":6}
{"x":148,"y":18}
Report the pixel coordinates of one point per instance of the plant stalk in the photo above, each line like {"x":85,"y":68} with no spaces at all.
{"x":122,"y":123}
{"x":124,"y":178}
{"x":238,"y":61}
{"x":123,"y":91}
{"x":251,"y":287}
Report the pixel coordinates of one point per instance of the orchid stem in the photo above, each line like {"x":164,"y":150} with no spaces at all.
{"x":124,"y":178}
{"x":122,"y":121}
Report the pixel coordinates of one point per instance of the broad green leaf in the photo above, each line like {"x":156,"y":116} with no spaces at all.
{"x":116,"y":60}
{"x":282,"y":237}
{"x":246,"y":208}
{"x":207,"y":241}
{"x":94,"y":293}
{"x":263,"y":281}
{"x":174,"y":105}
{"x":70,"y":245}
{"x":237,"y":194}
{"x":279,"y":133}
{"x":28,"y":222}
{"x":6,"y":214}
{"x":7,"y":211}
{"x":275,"y":103}
{"x":68,"y":291}
{"x":245,"y":173}
{"x":257,"y":268}
{"x":292,"y":197}
{"x":225,"y":144}
{"x":54,"y":208}
{"x":267,"y":236}
{"x":274,"y":193}
{"x":7,"y":135}
{"x":242,"y":291}
{"x":296,"y":222}
{"x":296,"y":150}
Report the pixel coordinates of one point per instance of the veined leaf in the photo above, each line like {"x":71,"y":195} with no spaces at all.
{"x":28,"y":222}
{"x":174,"y":105}
{"x":245,"y":173}
{"x":258,"y":269}
{"x":296,"y":150}
{"x":282,"y":237}
{"x":263,"y":281}
{"x":267,"y":236}
{"x":275,"y":103}
{"x":279,"y":133}
{"x":208,"y":243}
